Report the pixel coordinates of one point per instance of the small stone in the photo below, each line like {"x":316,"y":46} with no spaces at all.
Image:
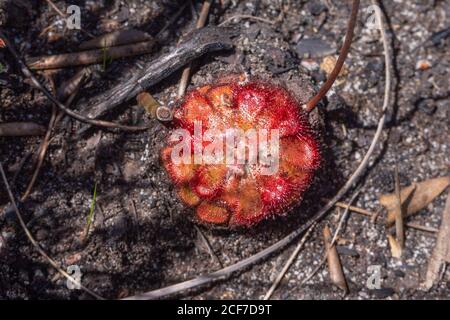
{"x":41,"y":234}
{"x":314,"y":48}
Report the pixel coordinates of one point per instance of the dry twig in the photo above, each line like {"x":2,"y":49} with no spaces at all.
{"x":371,"y":215}
{"x":42,"y":149}
{"x":194,"y":45}
{"x":63,"y":15}
{"x":343,"y":218}
{"x":246,"y":16}
{"x":41,"y":154}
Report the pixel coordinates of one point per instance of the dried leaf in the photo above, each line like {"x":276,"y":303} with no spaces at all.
{"x":334,"y":263}
{"x":396,"y":250}
{"x":441,"y":251}
{"x":414,"y":197}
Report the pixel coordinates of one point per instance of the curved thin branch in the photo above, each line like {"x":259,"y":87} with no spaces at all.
{"x":340,"y":62}
{"x":264,"y":254}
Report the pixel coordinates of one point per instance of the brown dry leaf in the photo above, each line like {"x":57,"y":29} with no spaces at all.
{"x":396,"y":250}
{"x":414,"y":197}
{"x":441,"y":251}
{"x":334,"y":263}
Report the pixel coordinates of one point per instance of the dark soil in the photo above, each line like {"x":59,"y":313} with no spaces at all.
{"x":131,"y":251}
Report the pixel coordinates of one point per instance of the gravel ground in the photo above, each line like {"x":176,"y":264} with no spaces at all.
{"x":141,"y":238}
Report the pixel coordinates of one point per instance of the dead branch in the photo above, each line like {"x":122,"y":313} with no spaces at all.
{"x":116,"y":38}
{"x":334,"y":263}
{"x":340,"y":62}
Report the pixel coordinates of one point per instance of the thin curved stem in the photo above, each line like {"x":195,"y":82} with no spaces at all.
{"x":264,"y":254}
